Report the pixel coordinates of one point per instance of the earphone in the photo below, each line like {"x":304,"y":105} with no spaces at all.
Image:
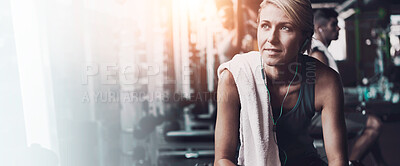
{"x":269,"y":95}
{"x":320,"y":29}
{"x":269,"y":98}
{"x":287,"y":91}
{"x":304,"y":44}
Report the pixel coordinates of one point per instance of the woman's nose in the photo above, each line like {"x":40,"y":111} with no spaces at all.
{"x":272,"y":36}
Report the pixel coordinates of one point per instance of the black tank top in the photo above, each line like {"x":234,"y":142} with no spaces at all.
{"x":292,"y":128}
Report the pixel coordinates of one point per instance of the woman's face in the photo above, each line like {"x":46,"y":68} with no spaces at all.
{"x":278,"y":40}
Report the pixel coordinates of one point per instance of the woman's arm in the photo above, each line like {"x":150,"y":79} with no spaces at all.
{"x":226,"y":129}
{"x":330,"y":94}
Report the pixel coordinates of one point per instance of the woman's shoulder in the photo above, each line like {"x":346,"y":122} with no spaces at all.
{"x":328,"y":81}
{"x":241,"y":65}
{"x":252,"y":55}
{"x":324,"y":75}
{"x":241,"y":61}
{"x":323,"y":72}
{"x":248,"y":60}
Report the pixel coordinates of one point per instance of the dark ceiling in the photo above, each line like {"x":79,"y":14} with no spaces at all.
{"x":361,"y":1}
{"x":327,"y":1}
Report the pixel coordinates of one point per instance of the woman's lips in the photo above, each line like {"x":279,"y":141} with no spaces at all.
{"x":272,"y":51}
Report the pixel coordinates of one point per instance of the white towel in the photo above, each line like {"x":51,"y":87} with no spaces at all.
{"x":257,"y":146}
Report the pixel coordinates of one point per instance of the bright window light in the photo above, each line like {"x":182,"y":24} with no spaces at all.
{"x":34,"y":75}
{"x":338,"y":47}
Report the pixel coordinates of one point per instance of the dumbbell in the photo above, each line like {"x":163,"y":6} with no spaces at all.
{"x":170,"y":126}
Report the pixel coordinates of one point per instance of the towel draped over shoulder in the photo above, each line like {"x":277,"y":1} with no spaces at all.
{"x":257,"y":146}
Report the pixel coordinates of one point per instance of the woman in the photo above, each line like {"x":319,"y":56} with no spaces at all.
{"x":266,"y":99}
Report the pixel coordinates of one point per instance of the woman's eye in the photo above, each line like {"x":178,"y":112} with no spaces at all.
{"x":285,"y":28}
{"x":264,"y":26}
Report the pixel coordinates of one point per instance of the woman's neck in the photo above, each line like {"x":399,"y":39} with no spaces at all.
{"x":282,"y":74}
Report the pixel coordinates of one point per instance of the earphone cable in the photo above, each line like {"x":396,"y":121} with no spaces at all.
{"x":269,"y":95}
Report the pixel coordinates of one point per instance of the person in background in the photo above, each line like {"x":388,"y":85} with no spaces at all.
{"x":238,"y":29}
{"x":326,"y":30}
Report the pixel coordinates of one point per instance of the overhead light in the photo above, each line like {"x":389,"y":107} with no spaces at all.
{"x":346,"y":14}
{"x":324,"y":5}
{"x":344,"y":5}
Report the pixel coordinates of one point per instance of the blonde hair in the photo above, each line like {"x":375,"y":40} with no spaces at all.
{"x":299,"y":11}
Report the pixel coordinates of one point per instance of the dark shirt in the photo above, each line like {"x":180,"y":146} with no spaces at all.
{"x":292,"y":128}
